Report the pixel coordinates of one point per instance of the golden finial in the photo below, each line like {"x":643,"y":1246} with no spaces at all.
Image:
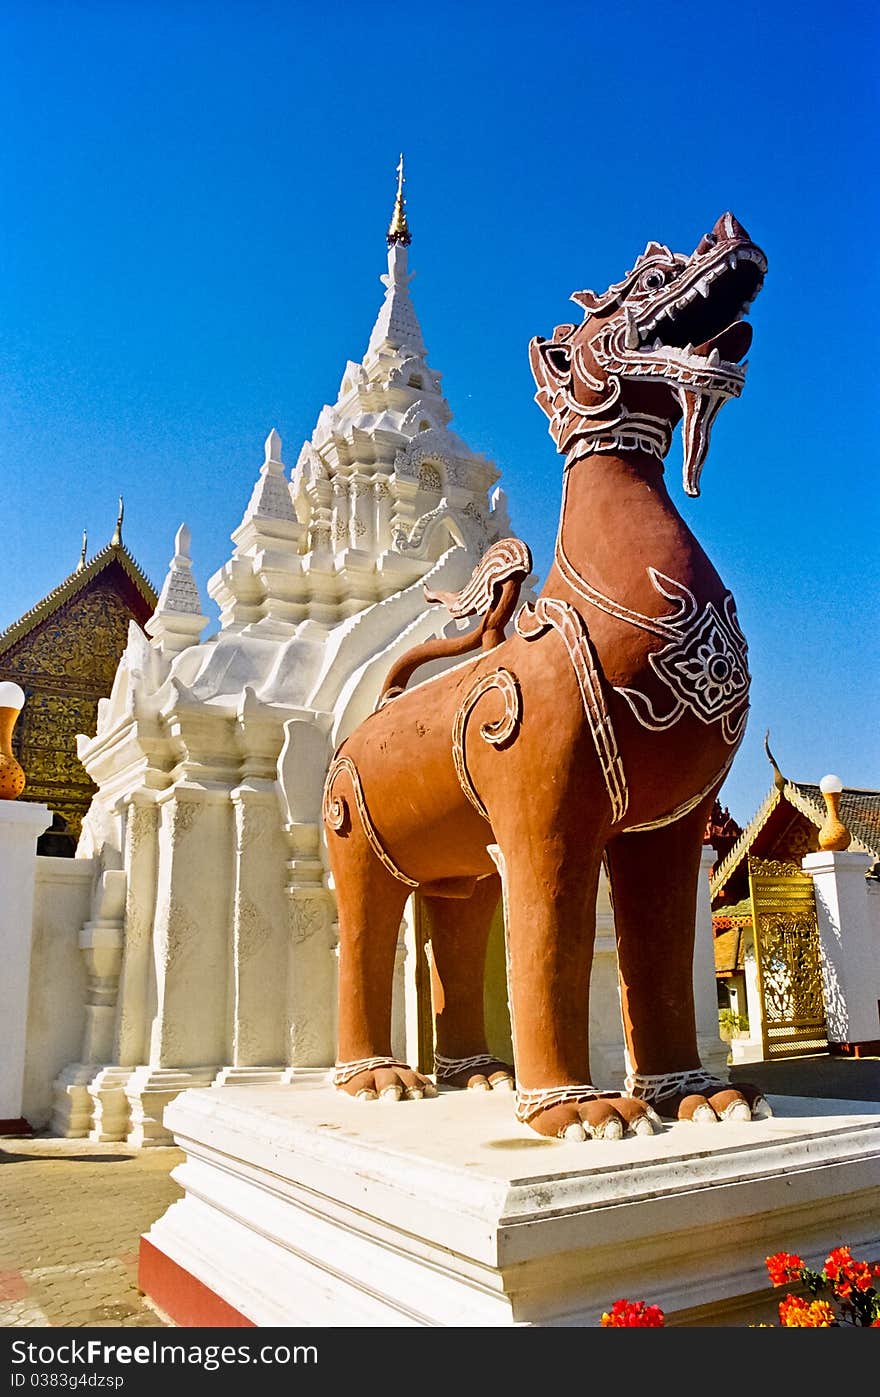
{"x":398,"y":228}
{"x":116,"y":540}
{"x":81,"y":565}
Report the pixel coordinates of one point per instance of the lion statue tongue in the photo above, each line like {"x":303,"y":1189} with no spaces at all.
{"x":699,"y":405}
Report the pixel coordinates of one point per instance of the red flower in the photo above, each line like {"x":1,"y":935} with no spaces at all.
{"x":843,"y":1273}
{"x":633,"y":1314}
{"x":797,"y":1313}
{"x":783,"y":1267}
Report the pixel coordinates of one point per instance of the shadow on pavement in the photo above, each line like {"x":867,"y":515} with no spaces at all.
{"x":9,"y":1157}
{"x":837,"y":1078}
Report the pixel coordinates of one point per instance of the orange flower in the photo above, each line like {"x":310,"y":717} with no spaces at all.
{"x":844,"y":1273}
{"x":633,"y":1314}
{"x":797,"y":1313}
{"x":784,"y":1266}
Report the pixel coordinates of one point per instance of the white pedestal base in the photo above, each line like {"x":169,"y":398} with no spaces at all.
{"x":304,"y":1207}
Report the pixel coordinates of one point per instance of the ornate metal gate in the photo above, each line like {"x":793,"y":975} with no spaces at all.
{"x":788,"y":959}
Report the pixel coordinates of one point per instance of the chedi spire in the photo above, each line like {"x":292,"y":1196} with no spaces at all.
{"x":397,"y":325}
{"x":398,"y":228}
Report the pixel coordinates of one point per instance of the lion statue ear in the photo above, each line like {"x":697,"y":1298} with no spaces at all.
{"x":588,"y":299}
{"x":550,"y":363}
{"x":551,"y":360}
{"x":594,"y":304}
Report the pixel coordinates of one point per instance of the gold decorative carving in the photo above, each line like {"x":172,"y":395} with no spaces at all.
{"x":65,"y":658}
{"x":788,"y":956}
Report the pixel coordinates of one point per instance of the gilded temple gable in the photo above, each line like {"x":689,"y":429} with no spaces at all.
{"x":64,"y":653}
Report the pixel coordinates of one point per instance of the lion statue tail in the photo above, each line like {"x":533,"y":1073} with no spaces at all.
{"x":492,"y":593}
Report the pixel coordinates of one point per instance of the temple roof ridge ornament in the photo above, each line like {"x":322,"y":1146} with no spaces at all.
{"x":116,"y":540}
{"x":778,"y":778}
{"x":84,"y":573}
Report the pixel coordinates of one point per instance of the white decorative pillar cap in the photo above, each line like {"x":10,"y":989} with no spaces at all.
{"x":11,"y":695}
{"x":178,"y":621}
{"x":273,"y":449}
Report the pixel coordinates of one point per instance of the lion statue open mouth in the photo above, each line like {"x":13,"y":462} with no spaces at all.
{"x":673,"y":320}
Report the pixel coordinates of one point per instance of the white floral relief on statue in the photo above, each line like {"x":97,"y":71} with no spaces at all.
{"x":533,"y":620}
{"x":703,"y":665}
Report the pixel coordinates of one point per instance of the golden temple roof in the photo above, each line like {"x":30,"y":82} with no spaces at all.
{"x":82,"y":575}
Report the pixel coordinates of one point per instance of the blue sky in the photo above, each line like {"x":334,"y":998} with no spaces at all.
{"x":194,"y":205}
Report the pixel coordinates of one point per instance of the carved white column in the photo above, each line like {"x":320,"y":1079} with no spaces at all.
{"x":321,"y":525}
{"x":191,"y":954}
{"x":713,"y":1049}
{"x":399,"y":1035}
{"x":191,"y":938}
{"x":312,"y":964}
{"x":382,"y":501}
{"x":20,"y":825}
{"x":312,"y":976}
{"x":101,"y":943}
{"x":339,"y":514}
{"x":134,"y":1001}
{"x":607,"y":1053}
{"x":850,"y":950}
{"x":750,"y":1049}
{"x":259,"y":931}
{"x":361,"y":523}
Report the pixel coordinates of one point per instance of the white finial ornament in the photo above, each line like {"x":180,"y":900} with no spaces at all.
{"x":182,"y":541}
{"x":177,"y":621}
{"x":270,"y":497}
{"x":273,"y":448}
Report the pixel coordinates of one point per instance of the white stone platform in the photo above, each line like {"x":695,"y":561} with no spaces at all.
{"x":306,"y":1208}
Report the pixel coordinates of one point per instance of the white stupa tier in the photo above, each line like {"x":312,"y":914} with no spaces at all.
{"x":381,"y":490}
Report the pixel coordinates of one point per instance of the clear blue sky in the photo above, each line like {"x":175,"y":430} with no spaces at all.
{"x":194,"y":204}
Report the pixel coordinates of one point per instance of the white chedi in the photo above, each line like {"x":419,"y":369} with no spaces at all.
{"x":210,"y":753}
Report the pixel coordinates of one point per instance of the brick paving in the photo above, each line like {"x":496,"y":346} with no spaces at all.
{"x":71,"y":1216}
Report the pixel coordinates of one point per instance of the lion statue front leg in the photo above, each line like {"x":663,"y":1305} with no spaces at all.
{"x":653,"y":876}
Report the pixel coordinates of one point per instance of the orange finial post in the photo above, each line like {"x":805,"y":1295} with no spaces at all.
{"x":834,"y":835}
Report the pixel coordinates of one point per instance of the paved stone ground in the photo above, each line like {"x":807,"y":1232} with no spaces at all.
{"x":71,"y":1215}
{"x":72,"y":1212}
